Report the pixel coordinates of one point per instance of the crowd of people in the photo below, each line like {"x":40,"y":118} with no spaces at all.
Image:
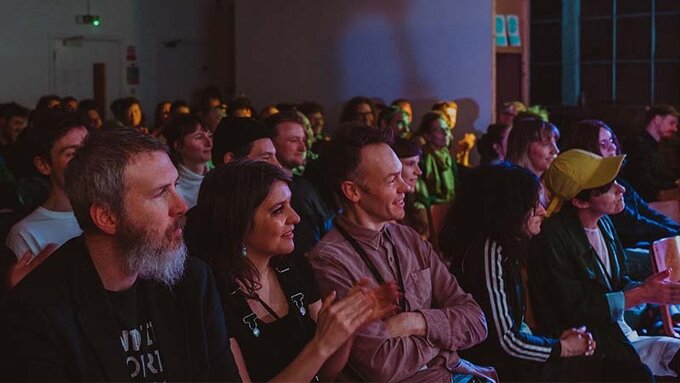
{"x":223,"y":244}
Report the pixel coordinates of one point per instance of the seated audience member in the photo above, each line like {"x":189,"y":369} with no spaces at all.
{"x":271,"y":300}
{"x":647,"y":168}
{"x":179,"y":107}
{"x":289,"y":139}
{"x":69,"y":103}
{"x":509,"y":110}
{"x":395,"y":119}
{"x":55,"y":136}
{"x":409,"y":154}
{"x":48,"y":101}
{"x":637,"y":225}
{"x":161,"y":116}
{"x":577,"y":274}
{"x":118,"y":109}
{"x":121,"y":302}
{"x":486,"y":235}
{"x":436,"y":318}
{"x":134,"y":117}
{"x":241,"y":107}
{"x":211,"y":117}
{"x":191,"y":146}
{"x":267,"y":111}
{"x":315,"y":114}
{"x":358,"y":109}
{"x":438,"y":184}
{"x":90,"y":114}
{"x":493,"y":144}
{"x":532,"y":144}
{"x":13,"y":119}
{"x":405,"y":105}
{"x":461,"y":149}
{"x":240,"y":137}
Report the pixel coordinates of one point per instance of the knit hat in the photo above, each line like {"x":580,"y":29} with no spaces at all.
{"x":234,"y":134}
{"x":576,"y":170}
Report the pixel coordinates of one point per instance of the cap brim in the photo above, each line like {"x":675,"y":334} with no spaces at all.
{"x":606,"y":172}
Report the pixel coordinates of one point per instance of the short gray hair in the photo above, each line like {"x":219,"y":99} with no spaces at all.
{"x":95,"y":173}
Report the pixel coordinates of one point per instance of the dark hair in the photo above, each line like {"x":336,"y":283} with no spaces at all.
{"x":12,"y":109}
{"x":68,"y":99}
{"x":95,"y":174}
{"x":586,"y":194}
{"x":281,"y":117}
{"x":400,"y":101}
{"x":662,"y":110}
{"x":227,"y":202}
{"x":348,"y":113}
{"x":174,"y":107}
{"x":177,"y":128}
{"x":585,"y":135}
{"x":310,"y":107}
{"x":118,"y":108}
{"x":236,"y":135}
{"x":493,"y":202}
{"x":341,"y":156}
{"x":388,"y":113}
{"x":45,"y":100}
{"x":87,"y":105}
{"x":406,"y":148}
{"x":428,"y":118}
{"x":49,"y":125}
{"x":158,"y":114}
{"x":240,"y":102}
{"x":494,"y":135}
{"x":526,"y":130}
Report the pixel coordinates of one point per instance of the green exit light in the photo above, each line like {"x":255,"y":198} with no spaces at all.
{"x":95,"y":22}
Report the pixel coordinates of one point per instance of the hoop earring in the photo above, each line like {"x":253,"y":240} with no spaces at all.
{"x":243,"y":250}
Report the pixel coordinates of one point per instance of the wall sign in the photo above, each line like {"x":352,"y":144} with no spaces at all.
{"x":512,"y":22}
{"x":501,"y":34}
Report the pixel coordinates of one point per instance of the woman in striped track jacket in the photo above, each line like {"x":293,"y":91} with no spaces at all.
{"x":493,"y":217}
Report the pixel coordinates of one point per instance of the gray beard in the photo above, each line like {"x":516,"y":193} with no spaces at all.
{"x":151,"y":258}
{"x":157,"y":264}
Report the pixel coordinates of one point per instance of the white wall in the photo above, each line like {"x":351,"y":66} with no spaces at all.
{"x":331,"y":50}
{"x":29,"y":28}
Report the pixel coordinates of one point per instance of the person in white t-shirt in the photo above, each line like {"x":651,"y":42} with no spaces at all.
{"x":191,"y":146}
{"x":55,"y":136}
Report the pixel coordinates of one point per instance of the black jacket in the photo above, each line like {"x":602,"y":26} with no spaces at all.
{"x":494,"y":281}
{"x":57,"y":325}
{"x":638,"y":225}
{"x":568,"y":288}
{"x":647,"y":168}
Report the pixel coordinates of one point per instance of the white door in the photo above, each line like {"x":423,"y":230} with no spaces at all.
{"x":74,"y":61}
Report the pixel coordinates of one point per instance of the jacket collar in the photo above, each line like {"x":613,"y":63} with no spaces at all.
{"x":94,"y":312}
{"x":100,"y":328}
{"x":576,"y":235}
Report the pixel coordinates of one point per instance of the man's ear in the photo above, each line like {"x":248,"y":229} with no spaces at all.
{"x":351,"y":191}
{"x":577,"y":203}
{"x":104,"y":218}
{"x":43,"y":167}
{"x":228,"y":157}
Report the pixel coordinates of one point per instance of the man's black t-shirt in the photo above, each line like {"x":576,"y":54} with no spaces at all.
{"x":137,"y":336}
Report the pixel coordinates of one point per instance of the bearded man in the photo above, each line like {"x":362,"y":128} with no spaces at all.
{"x":121,"y":302}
